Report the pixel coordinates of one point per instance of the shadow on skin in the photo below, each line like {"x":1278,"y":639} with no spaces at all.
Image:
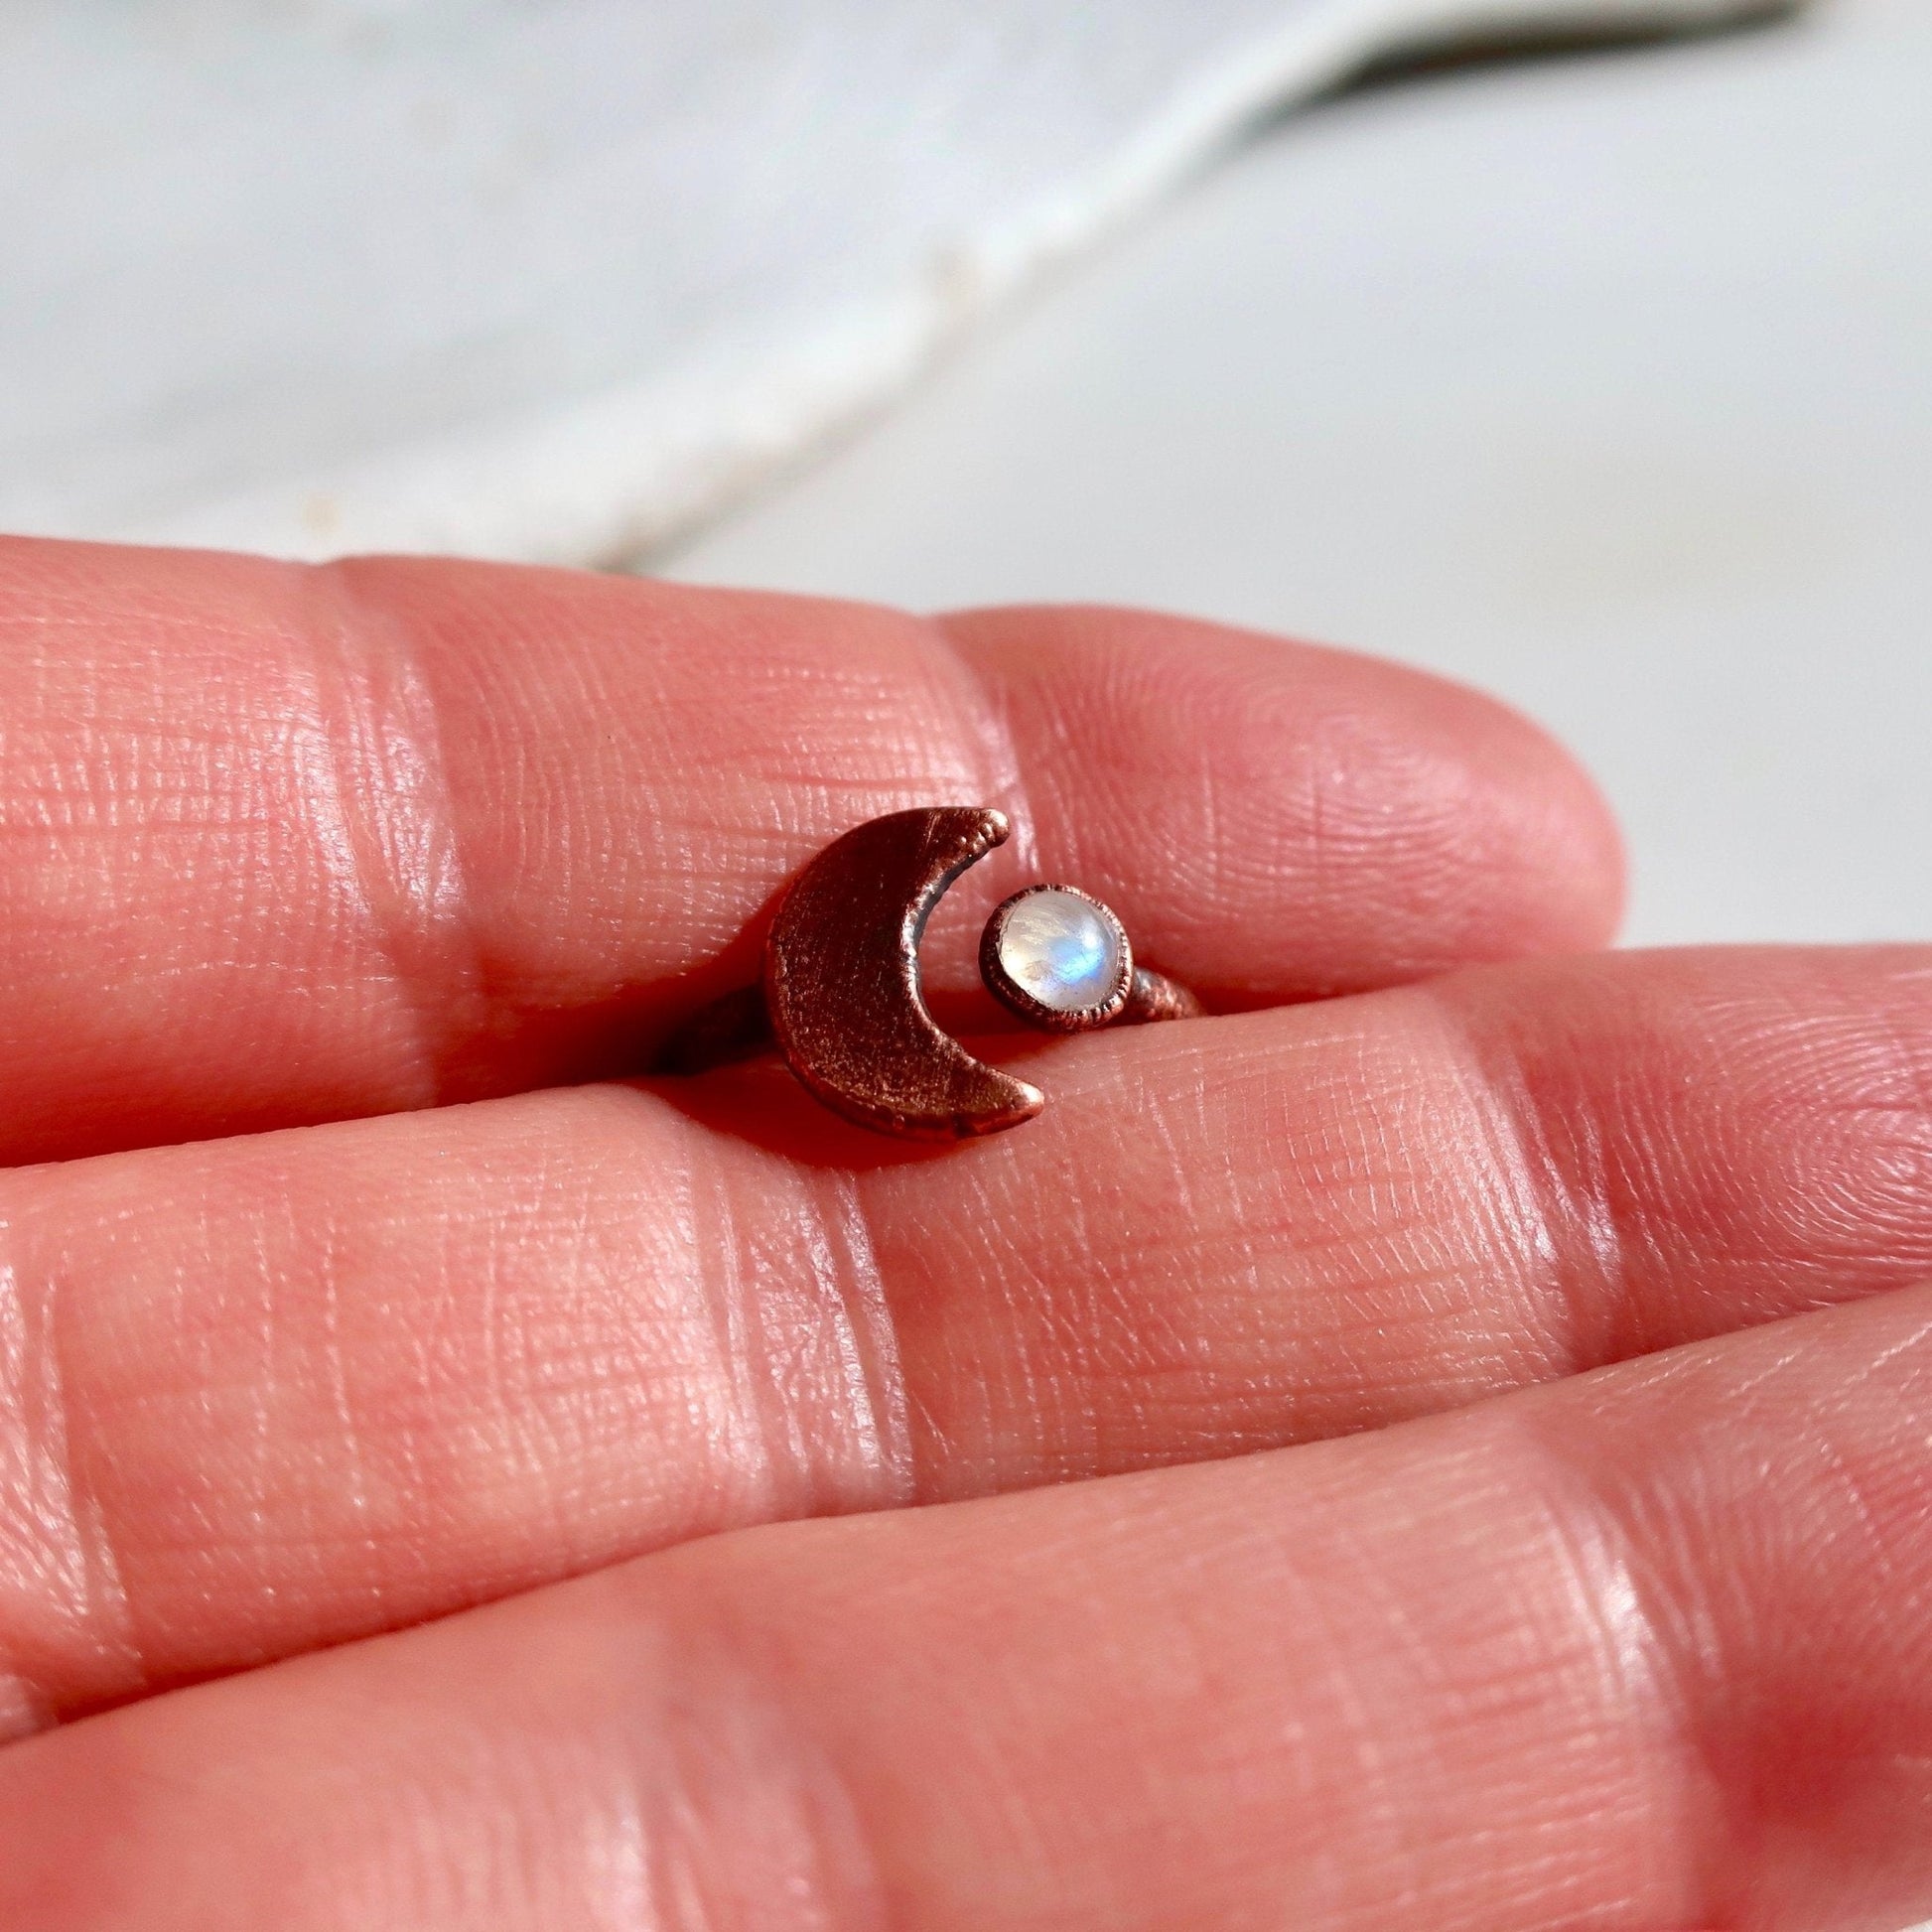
{"x":756,"y":1099}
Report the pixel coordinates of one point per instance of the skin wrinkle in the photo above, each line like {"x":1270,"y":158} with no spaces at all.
{"x":729,"y":1296}
{"x":567,"y":1373}
{"x":760,"y":1468}
{"x":1521,"y":1176}
{"x":1161,"y":1320}
{"x":491,"y":1322}
{"x":398,"y":832}
{"x":410,"y":1471}
{"x":1877,"y":1555}
{"x":61,"y":1563}
{"x":1836,"y":1086}
{"x":1580,"y":1236}
{"x":693,"y":1800}
{"x":803,"y":1335}
{"x":872,"y":1383}
{"x":1851,"y":1476}
{"x":739,"y":1820}
{"x":210,"y":1512}
{"x":1348,"y":1705}
{"x":194,"y":752}
{"x":355,"y":1487}
{"x":1684,"y":1601}
{"x":1341,"y":829}
{"x":1610,"y":1603}
{"x":1075,"y":1323}
{"x":260,"y":1380}
{"x":1599,"y":1621}
{"x":806,"y":1346}
{"x":1566,"y":1107}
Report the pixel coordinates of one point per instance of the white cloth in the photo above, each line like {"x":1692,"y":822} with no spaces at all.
{"x":557,"y":281}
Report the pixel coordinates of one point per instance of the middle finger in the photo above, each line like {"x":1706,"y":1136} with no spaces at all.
{"x":263,"y":1394}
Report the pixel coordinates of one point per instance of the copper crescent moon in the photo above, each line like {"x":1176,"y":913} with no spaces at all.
{"x":842,"y":979}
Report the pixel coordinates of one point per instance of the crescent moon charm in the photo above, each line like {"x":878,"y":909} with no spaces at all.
{"x":842,"y":981}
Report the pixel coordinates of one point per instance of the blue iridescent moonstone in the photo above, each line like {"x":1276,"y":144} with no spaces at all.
{"x":1056,"y":947}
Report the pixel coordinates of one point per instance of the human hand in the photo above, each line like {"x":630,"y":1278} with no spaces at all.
{"x":1645,"y":1649}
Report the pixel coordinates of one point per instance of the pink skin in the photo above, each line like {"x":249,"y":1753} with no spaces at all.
{"x":1643,"y":1650}
{"x":279,"y":846}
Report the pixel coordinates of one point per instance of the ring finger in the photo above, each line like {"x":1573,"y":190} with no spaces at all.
{"x":265,"y":1394}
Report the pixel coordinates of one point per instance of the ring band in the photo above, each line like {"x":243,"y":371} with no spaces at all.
{"x":841,"y":996}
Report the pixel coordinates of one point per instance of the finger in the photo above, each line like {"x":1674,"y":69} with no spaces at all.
{"x":281,"y":845}
{"x":262,"y":1395}
{"x":1645,"y":1650}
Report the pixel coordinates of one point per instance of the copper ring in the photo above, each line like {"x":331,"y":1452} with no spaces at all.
{"x":841,"y":997}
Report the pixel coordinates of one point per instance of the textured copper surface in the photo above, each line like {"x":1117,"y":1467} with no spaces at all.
{"x":842,"y":981}
{"x":1155,"y":997}
{"x":734,"y":1028}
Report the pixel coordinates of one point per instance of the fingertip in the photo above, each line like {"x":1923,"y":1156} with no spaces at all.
{"x":1394,"y":823}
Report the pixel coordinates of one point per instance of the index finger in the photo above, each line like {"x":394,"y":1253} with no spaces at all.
{"x":282,"y":844}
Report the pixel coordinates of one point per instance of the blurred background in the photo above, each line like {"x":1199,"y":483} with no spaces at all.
{"x":1579,"y":349}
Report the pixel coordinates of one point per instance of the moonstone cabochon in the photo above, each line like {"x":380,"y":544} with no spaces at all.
{"x":1058,"y":957}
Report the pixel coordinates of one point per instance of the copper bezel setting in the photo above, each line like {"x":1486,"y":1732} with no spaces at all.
{"x":1022,"y":1003}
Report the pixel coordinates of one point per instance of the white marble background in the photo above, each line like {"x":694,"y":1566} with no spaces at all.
{"x":557,"y":280}
{"x":1604,"y":383}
